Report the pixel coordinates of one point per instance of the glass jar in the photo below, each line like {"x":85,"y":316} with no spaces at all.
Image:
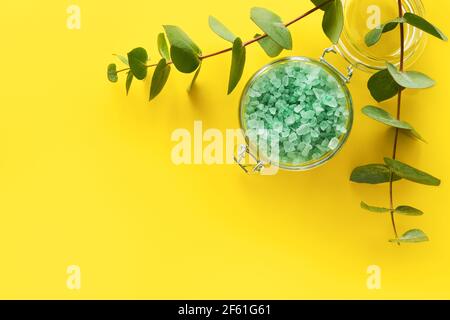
{"x":341,"y":109}
{"x":361,"y":16}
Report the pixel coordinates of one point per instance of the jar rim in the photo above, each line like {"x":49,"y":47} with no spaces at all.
{"x":343,"y":139}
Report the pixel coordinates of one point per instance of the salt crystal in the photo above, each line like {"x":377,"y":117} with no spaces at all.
{"x":334,"y":143}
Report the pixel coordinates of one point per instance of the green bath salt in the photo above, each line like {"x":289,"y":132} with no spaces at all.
{"x":297,"y":112}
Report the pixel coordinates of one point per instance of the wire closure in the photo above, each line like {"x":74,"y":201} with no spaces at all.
{"x":345,"y":78}
{"x":243,"y":150}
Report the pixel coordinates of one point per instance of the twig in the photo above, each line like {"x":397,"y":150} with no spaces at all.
{"x":399,"y":104}
{"x":249,"y":42}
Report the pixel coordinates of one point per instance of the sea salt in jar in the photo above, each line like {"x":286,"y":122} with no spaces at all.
{"x":296,"y":113}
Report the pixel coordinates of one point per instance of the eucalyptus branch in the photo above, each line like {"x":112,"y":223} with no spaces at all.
{"x":249,"y":42}
{"x":384,"y":85}
{"x":187,"y":57}
{"x":397,"y":130}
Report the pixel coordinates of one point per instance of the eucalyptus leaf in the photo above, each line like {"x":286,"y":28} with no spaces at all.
{"x":333,"y":20}
{"x":384,"y":117}
{"x":412,"y":236}
{"x":194,"y":79}
{"x":178,"y":38}
{"x":412,"y":174}
{"x":373,"y":174}
{"x":424,"y":25}
{"x":367,"y":207}
{"x":237,"y":64}
{"x":410,"y":79}
{"x":321,"y":2}
{"x":414,"y":134}
{"x":382,"y":86}
{"x":138,"y":58}
{"x":123,"y":59}
{"x":129,"y":81}
{"x":183,"y":51}
{"x":270,"y":47}
{"x":273,"y":26}
{"x":375,"y":35}
{"x":163,"y":48}
{"x":221,"y":30}
{"x":160,"y":77}
{"x":408,"y":211}
{"x":184,"y":59}
{"x":112,"y":73}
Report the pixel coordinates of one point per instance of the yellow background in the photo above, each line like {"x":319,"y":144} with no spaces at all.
{"x":87,"y":179}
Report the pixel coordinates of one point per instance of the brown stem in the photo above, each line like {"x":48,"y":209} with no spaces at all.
{"x":250,"y":41}
{"x":399,"y":104}
{"x":149,"y":66}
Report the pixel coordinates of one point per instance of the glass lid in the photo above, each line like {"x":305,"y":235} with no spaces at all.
{"x":363,"y":16}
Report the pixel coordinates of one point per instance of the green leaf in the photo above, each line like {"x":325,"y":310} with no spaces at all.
{"x":162,"y":47}
{"x":333,"y":21}
{"x":365,"y":206}
{"x":273,"y":26}
{"x":194,"y":79}
{"x":384,"y":117}
{"x":373,"y":174}
{"x":221,"y":30}
{"x":129,"y":81}
{"x":123,"y":59}
{"x":320,"y":2}
{"x":410,"y":79}
{"x":404,"y":210}
{"x":424,"y":25}
{"x":412,"y":174}
{"x":414,"y":134}
{"x":408,"y":211}
{"x":112,"y":73}
{"x":159,"y":79}
{"x":412,"y":236}
{"x":178,"y":38}
{"x":270,"y":47}
{"x":184,"y":52}
{"x":237,"y":64}
{"x":138,"y":58}
{"x":184,"y":59}
{"x":375,"y":35}
{"x":382,"y":86}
